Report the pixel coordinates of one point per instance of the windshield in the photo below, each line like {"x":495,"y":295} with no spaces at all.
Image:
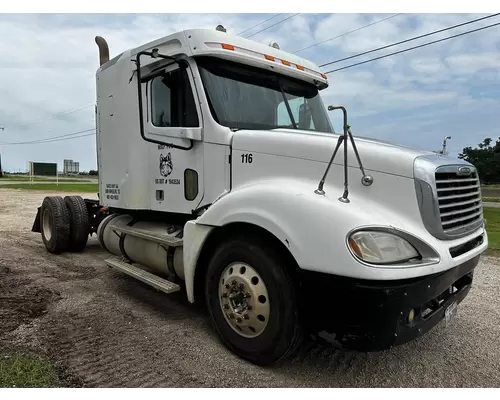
{"x":243,"y":97}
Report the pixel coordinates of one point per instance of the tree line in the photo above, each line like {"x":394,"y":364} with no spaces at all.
{"x":486,"y":158}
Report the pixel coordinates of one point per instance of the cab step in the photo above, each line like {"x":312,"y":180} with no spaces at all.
{"x":144,"y":276}
{"x":165,"y":238}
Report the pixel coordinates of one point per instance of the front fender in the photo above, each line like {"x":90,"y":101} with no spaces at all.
{"x":311,"y":226}
{"x":314,"y":227}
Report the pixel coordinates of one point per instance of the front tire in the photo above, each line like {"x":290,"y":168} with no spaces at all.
{"x":252,"y":301}
{"x":55,"y":224}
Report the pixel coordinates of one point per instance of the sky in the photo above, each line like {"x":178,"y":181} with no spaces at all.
{"x":47,"y":84}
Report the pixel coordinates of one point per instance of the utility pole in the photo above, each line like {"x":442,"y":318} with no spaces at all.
{"x":1,"y":171}
{"x":444,"y":152}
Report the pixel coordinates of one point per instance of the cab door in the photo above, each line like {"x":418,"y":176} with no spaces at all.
{"x":174,"y":123}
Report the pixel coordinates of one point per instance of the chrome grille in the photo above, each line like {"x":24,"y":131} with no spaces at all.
{"x":459,"y":200}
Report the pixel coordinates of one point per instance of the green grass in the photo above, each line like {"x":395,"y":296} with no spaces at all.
{"x":62,"y":187}
{"x":492,"y":216}
{"x":27,"y":371}
{"x":24,"y":178}
{"x":492,"y":199}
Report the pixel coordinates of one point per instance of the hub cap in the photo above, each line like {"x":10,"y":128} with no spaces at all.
{"x":47,"y":227}
{"x":244,"y":299}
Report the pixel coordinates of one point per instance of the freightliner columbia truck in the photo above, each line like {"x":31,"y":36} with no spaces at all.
{"x":221,"y":176}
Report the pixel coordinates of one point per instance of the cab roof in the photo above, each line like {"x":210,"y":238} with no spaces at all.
{"x":216,"y":43}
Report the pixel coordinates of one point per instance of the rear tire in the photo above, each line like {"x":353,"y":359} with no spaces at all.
{"x":55,"y":224}
{"x":263,"y":328}
{"x":79,"y":223}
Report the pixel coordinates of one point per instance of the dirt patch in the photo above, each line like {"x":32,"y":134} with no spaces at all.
{"x":20,"y":300}
{"x":105,"y":329}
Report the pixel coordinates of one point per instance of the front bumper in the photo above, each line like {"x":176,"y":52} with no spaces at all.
{"x":373,"y":315}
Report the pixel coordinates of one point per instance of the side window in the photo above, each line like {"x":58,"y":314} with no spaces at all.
{"x":297,"y":104}
{"x":172,"y":101}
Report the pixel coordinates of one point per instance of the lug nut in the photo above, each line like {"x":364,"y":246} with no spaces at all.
{"x":224,"y":294}
{"x":233,"y":283}
{"x":249,"y":307}
{"x":227,"y":286}
{"x":246,"y":316}
{"x":231,"y":316}
{"x":241,"y":285}
{"x":226,"y":307}
{"x":239,"y":320}
{"x":247,"y":295}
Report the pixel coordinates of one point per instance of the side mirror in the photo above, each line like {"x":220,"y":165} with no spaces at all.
{"x":304,"y":116}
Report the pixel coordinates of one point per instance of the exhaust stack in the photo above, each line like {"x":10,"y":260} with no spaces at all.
{"x":103,"y":50}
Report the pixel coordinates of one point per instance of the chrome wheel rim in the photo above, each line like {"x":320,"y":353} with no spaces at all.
{"x":244,"y":299}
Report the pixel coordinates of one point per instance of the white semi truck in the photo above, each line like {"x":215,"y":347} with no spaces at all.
{"x":220,"y":175}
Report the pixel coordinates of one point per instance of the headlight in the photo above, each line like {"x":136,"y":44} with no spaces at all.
{"x":381,"y":247}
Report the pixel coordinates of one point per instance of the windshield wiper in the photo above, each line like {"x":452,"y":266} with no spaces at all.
{"x":287,"y":105}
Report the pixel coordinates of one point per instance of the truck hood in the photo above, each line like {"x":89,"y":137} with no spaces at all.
{"x":376,"y":155}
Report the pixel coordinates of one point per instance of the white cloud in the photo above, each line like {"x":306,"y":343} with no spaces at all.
{"x":49,"y":63}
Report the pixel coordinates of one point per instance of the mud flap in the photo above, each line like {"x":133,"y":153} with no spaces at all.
{"x":36,"y":223}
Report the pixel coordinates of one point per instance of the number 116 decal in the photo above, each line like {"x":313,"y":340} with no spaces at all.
{"x":247,"y":158}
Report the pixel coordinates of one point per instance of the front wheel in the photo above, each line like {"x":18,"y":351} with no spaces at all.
{"x":252,"y":301}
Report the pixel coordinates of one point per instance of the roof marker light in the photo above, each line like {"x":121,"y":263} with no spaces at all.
{"x":270,"y":58}
{"x":284,"y":62}
{"x":227,"y":46}
{"x":300,"y":67}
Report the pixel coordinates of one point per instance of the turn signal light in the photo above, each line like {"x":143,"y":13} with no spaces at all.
{"x":355,"y":248}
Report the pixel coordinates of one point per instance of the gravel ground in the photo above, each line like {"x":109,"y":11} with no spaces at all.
{"x":105,"y":329}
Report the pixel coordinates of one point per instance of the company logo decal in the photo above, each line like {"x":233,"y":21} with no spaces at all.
{"x":464,"y":171}
{"x":166,"y":165}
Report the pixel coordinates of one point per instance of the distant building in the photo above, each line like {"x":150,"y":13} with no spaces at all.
{"x":71,"y":167}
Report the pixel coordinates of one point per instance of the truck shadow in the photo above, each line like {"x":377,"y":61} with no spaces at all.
{"x":315,"y":364}
{"x":315,"y":359}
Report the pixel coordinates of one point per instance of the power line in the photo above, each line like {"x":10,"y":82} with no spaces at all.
{"x":413,"y":48}
{"x":54,"y":138}
{"x":52,"y":141}
{"x":410,"y":39}
{"x":260,"y":23}
{"x":68,"y":138}
{"x":347,"y":33}
{"x":60,"y":114}
{"x":270,"y":26}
